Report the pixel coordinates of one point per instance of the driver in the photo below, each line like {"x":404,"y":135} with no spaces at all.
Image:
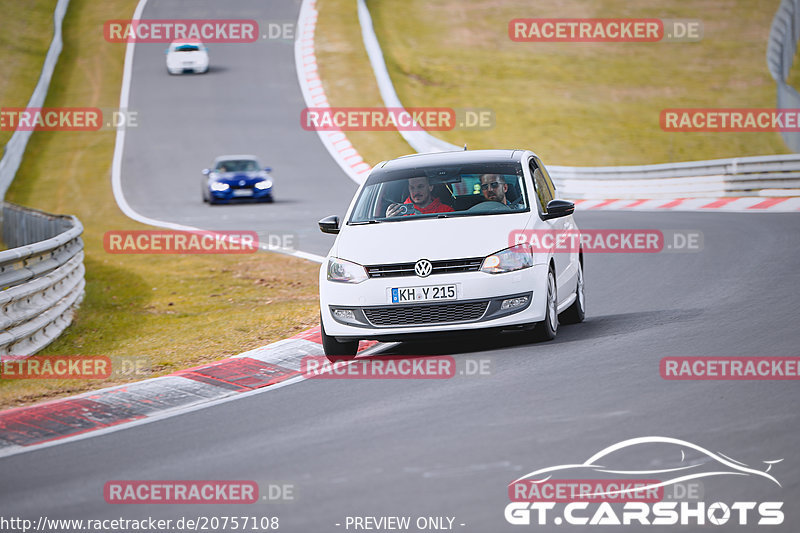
{"x":420,"y":193}
{"x":494,"y":188}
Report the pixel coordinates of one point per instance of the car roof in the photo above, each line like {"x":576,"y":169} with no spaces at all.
{"x":451,"y":158}
{"x":235,"y":157}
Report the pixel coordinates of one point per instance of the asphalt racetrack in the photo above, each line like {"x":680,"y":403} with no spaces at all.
{"x":439,"y":448}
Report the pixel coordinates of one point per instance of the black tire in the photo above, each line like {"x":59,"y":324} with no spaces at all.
{"x":576,"y":312}
{"x":547,"y":329}
{"x":334,"y":347}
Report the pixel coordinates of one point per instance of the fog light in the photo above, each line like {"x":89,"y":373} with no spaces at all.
{"x":511,"y":303}
{"x":344,"y":315}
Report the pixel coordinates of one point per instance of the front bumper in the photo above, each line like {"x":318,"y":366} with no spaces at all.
{"x":229,"y":195}
{"x":478,"y":305}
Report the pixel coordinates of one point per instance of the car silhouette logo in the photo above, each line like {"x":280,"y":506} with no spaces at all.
{"x":423,"y":268}
{"x":704,"y":464}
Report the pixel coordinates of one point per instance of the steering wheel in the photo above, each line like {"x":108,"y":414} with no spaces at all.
{"x":489,"y":206}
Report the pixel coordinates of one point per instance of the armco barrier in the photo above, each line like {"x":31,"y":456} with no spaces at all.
{"x":41,"y":277}
{"x":777,"y":175}
{"x":15,"y":148}
{"x":781,"y":48}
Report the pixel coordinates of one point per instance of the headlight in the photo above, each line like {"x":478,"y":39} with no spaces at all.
{"x":345,"y":271}
{"x":217,"y":186}
{"x":508,"y":260}
{"x":263,"y":185}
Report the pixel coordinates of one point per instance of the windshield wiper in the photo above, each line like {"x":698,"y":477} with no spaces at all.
{"x":371,"y":221}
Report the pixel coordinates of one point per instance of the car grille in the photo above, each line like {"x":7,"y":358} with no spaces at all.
{"x":446,"y":266}
{"x":408,"y":315}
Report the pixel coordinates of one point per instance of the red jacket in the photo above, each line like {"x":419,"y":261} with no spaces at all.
{"x":436,"y":206}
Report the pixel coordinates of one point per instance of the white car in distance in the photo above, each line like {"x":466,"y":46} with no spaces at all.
{"x":425,"y":250}
{"x":187,"y":57}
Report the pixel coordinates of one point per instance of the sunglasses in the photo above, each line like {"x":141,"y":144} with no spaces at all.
{"x":493,"y":185}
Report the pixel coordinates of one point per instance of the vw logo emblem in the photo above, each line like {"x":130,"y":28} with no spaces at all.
{"x":242,"y":182}
{"x":423,"y":268}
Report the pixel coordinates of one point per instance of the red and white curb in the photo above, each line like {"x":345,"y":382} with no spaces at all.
{"x":745,"y":204}
{"x":115,"y":408}
{"x":336,"y":142}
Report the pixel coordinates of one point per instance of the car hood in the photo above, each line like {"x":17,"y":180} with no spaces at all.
{"x":432,"y":238}
{"x":235,"y":177}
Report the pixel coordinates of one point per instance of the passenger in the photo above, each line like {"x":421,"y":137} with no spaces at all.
{"x":420,"y":198}
{"x":494,"y":188}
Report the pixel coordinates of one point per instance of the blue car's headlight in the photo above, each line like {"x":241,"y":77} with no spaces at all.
{"x":219,"y":187}
{"x":264,"y":185}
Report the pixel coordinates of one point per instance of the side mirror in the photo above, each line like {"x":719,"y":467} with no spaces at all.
{"x":329,"y":224}
{"x":267,"y":169}
{"x":558,"y":209}
{"x":206,"y":171}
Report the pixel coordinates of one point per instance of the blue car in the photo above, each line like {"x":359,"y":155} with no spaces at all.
{"x":237,"y":177}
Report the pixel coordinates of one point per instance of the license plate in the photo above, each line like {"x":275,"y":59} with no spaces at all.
{"x":242,"y":192}
{"x":401,"y":295}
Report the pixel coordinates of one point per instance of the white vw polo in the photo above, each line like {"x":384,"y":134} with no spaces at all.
{"x":426,"y":248}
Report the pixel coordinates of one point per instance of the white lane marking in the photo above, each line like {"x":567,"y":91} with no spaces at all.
{"x":119,"y":148}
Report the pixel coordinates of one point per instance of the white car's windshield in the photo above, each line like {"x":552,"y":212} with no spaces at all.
{"x":463,"y":190}
{"x":186,"y":48}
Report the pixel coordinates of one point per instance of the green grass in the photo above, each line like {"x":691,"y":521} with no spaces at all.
{"x":172,"y":311}
{"x":26,"y":29}
{"x":582,"y":104}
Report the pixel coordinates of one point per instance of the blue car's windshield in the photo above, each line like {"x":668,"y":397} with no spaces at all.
{"x":244,"y":165}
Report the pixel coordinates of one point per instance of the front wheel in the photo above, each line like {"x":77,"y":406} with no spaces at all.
{"x":576,"y":312}
{"x":546,"y":329}
{"x":334,"y":347}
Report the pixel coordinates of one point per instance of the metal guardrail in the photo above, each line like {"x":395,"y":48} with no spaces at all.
{"x":781,"y":48}
{"x":744,"y":176}
{"x":41,"y":277}
{"x":776,"y":175}
{"x":15,"y":148}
